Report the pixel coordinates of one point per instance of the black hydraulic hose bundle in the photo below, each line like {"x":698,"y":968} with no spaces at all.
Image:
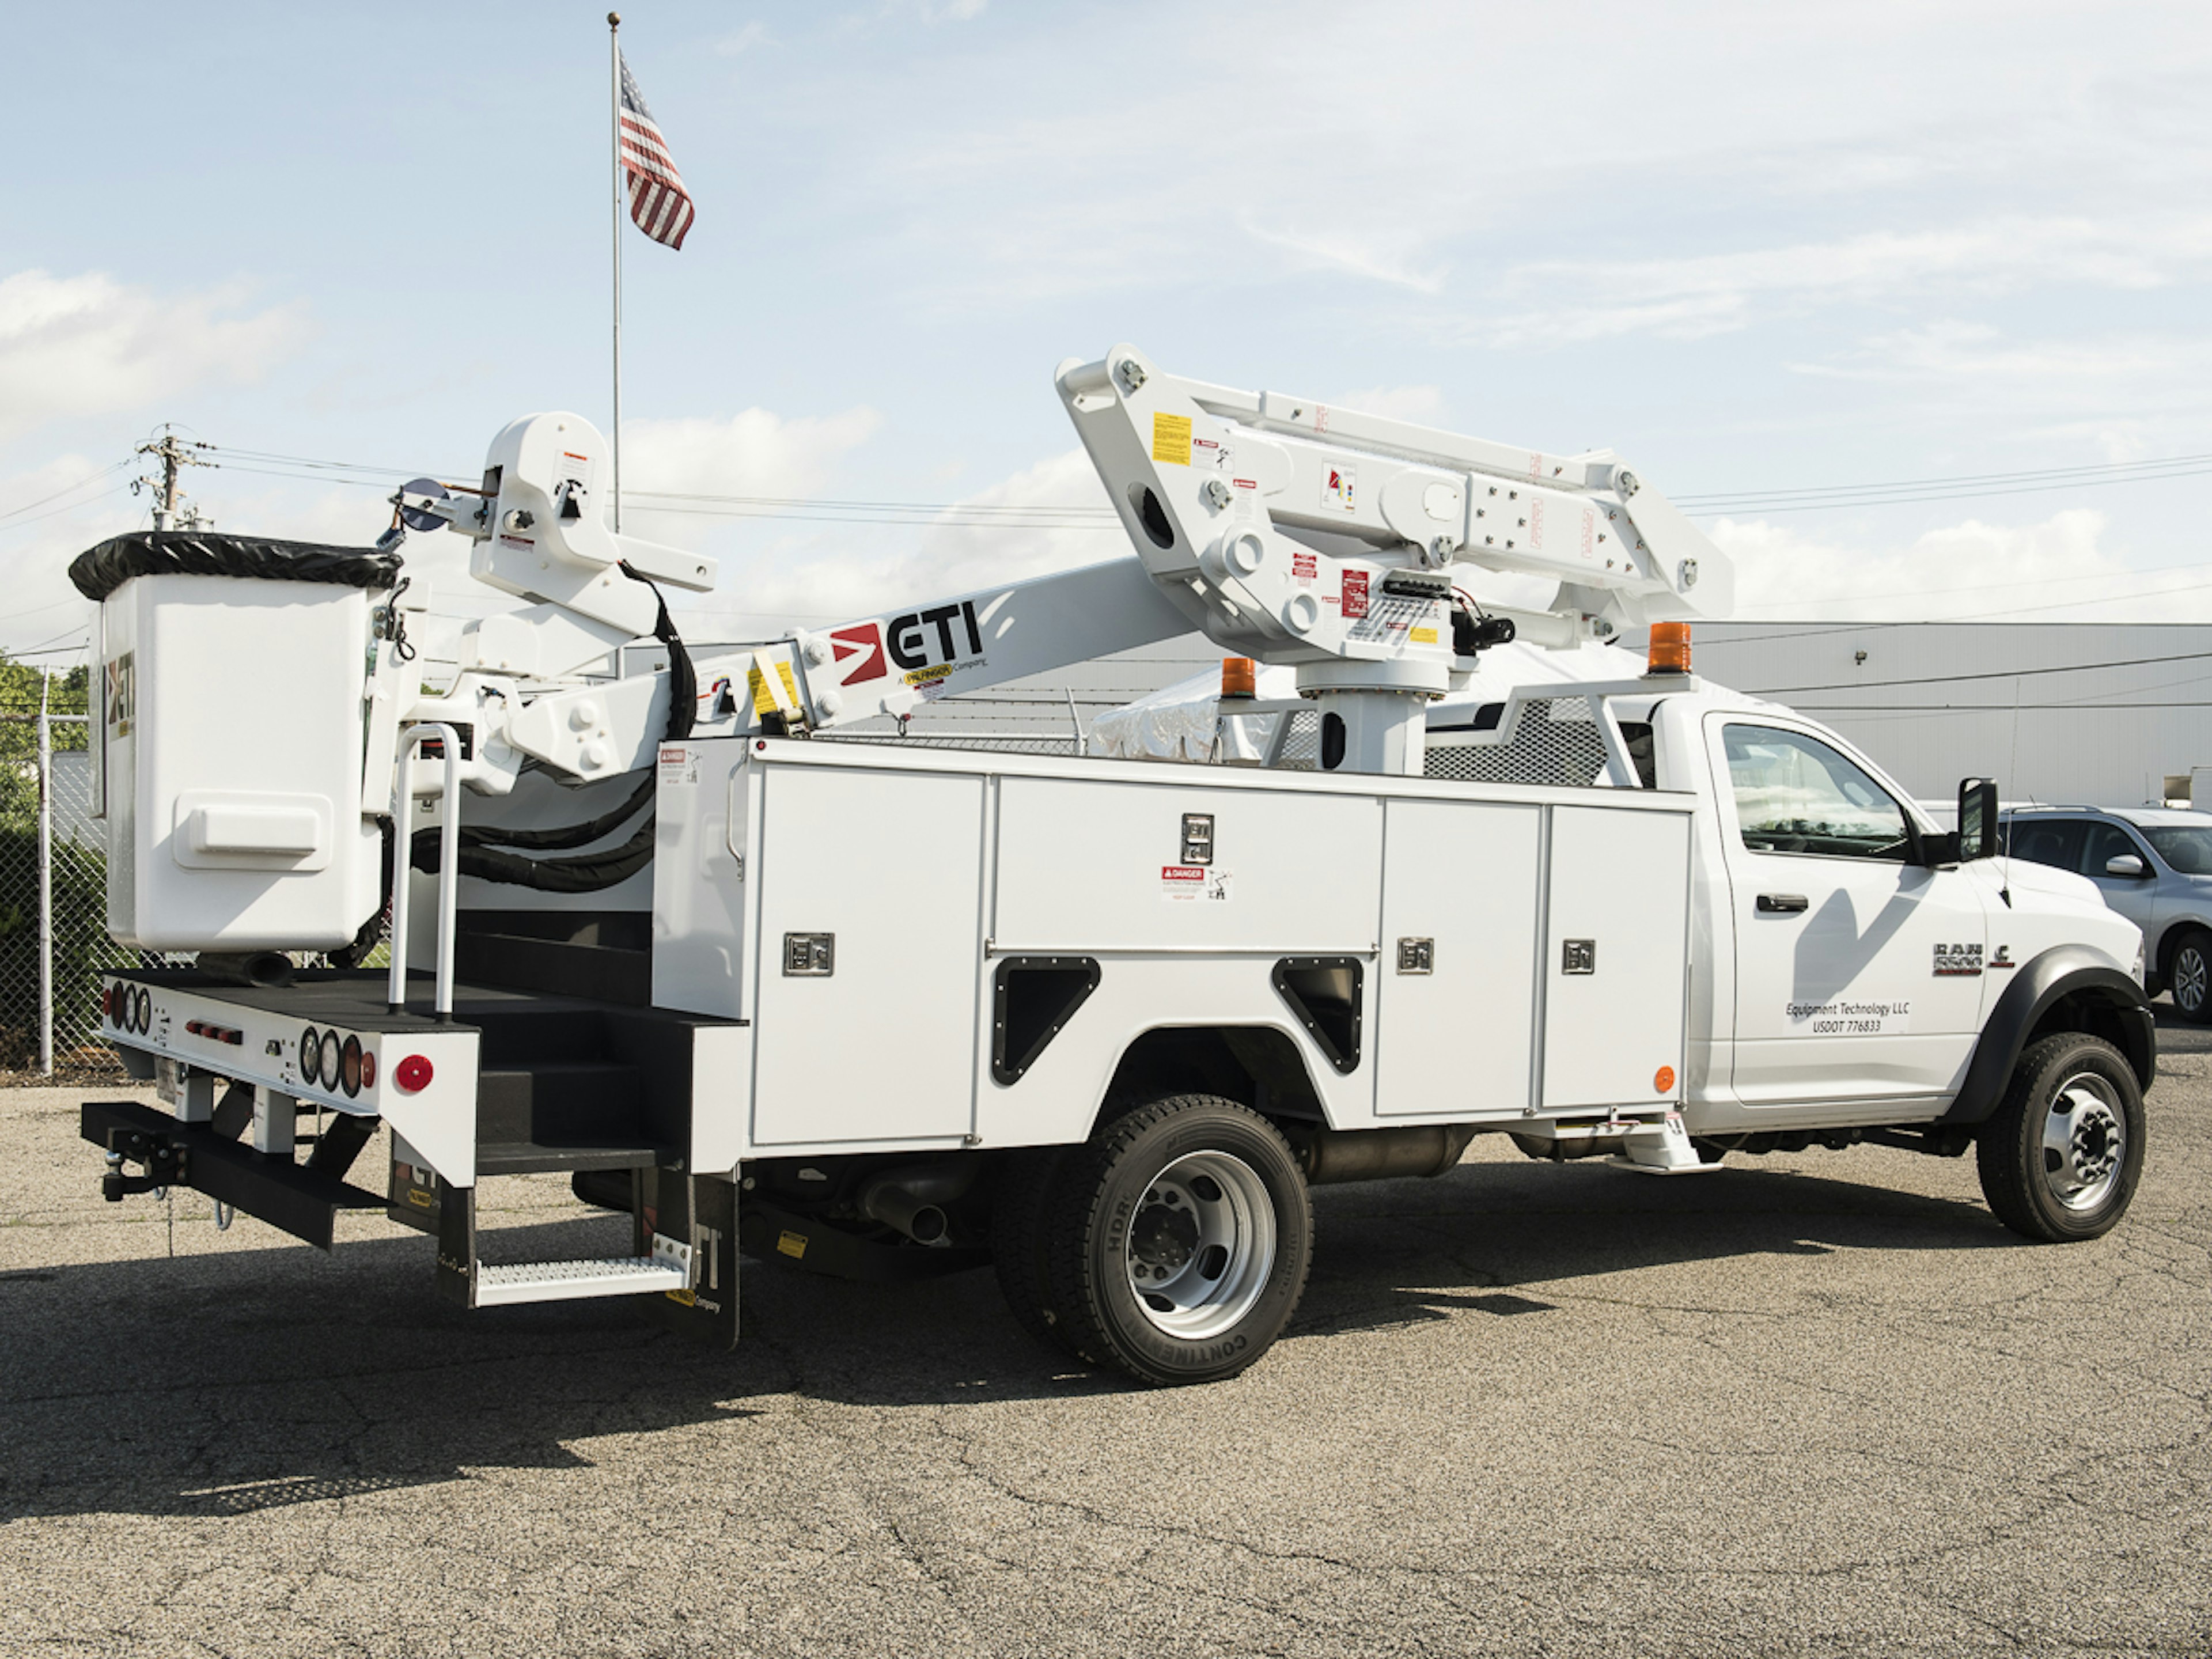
{"x":488,"y":853}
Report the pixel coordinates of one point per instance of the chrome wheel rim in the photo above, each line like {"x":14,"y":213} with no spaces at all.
{"x":2190,"y":974}
{"x":1202,"y":1246}
{"x":2085,"y":1142}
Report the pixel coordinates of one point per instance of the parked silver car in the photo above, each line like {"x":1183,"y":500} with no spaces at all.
{"x":2153,"y":866}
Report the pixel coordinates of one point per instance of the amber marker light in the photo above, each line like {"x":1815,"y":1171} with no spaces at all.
{"x":1670,"y":648}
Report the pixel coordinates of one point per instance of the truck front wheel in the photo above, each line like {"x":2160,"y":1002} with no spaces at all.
{"x":2061,"y":1156}
{"x":1179,"y":1240}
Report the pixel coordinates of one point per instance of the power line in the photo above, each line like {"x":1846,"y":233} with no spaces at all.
{"x":89,"y":478}
{"x":1954,"y":487}
{"x":1990,"y":674}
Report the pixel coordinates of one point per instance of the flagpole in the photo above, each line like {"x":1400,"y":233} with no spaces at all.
{"x":614,"y":84}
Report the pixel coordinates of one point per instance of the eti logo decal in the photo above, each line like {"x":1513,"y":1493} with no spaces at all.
{"x":865,"y":641}
{"x":1958,"y":961}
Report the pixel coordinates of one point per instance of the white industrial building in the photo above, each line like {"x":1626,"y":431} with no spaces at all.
{"x":2103,"y":713}
{"x":2108,"y":714}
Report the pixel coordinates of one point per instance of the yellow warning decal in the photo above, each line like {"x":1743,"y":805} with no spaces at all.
{"x":1171,"y":440}
{"x":764,"y":702}
{"x":685,"y":1297}
{"x":792,"y":1244}
{"x":1424,"y":636}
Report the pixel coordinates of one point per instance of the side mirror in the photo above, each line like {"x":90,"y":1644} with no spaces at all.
{"x":2128,"y":865}
{"x":1977,"y":819}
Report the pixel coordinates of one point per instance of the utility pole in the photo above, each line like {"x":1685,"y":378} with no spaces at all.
{"x":174,"y":456}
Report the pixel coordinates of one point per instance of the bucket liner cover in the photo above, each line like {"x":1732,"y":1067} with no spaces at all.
{"x":98,"y":571}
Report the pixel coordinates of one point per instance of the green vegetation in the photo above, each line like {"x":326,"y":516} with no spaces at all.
{"x":80,"y":876}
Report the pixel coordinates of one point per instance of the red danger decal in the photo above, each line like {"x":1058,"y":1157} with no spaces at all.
{"x":863,"y":638}
{"x":1355,"y":592}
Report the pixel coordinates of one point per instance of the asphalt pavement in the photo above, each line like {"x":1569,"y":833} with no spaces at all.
{"x":1816,"y":1404}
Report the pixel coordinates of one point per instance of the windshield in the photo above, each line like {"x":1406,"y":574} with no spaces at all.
{"x":2185,"y":846}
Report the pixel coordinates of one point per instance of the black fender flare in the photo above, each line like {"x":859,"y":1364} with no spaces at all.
{"x":2038,"y":985}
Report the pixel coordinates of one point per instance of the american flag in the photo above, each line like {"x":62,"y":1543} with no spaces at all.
{"x":658,"y":201}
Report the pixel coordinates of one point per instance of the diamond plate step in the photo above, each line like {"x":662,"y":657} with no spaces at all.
{"x":668,"y":1268}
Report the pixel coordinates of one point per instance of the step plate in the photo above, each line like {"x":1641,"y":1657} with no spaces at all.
{"x":569,"y":1281}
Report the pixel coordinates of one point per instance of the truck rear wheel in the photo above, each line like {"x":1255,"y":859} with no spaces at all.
{"x":1180,"y":1236}
{"x":2061,"y":1156}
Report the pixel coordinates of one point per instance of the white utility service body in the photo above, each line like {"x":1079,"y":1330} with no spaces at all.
{"x":882,"y":1009}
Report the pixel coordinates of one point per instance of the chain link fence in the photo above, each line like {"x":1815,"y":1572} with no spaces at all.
{"x":53,"y":895}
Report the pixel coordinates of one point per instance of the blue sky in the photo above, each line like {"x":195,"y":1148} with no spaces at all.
{"x":1750,"y":247}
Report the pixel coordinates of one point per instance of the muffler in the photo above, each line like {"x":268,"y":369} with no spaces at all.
{"x":1335,"y":1156}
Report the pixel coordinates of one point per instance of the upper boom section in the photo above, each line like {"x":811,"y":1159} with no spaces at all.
{"x":1275,"y":522}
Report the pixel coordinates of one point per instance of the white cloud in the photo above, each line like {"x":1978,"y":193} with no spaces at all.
{"x":1707,"y":294}
{"x":1421,"y":405}
{"x":90,"y":345}
{"x":754,"y":453}
{"x":2057,"y":570}
{"x":947,"y":557}
{"x":743,"y":40}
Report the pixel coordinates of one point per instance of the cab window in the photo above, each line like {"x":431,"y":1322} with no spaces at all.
{"x":1796,"y":794}
{"x":2054,"y":841}
{"x":2108,"y":842}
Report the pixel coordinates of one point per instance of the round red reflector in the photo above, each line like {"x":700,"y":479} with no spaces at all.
{"x":367,"y":1069}
{"x":1662,"y":1080}
{"x":412,"y":1073}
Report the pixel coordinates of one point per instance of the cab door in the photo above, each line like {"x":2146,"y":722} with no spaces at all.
{"x":1858,"y":974}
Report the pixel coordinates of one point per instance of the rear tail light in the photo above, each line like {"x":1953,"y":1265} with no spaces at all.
{"x":367,"y":1069}
{"x":350,"y":1066}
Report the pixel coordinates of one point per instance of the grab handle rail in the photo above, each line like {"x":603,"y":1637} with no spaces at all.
{"x":449,"y":858}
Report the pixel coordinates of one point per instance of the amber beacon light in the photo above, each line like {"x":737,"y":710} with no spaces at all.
{"x":1670,"y":648}
{"x":1238,"y":677}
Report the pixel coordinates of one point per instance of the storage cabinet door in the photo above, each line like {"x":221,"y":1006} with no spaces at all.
{"x":881,"y":1045}
{"x":1456,"y":1027}
{"x":1615,"y":956}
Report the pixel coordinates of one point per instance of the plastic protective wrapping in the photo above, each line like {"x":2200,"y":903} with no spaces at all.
{"x":1182,"y":721}
{"x":100,"y":570}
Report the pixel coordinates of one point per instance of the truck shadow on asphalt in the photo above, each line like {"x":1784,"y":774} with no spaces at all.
{"x":222,"y":1384}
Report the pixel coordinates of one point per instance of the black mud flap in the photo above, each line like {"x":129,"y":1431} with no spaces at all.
{"x":703,"y":1210}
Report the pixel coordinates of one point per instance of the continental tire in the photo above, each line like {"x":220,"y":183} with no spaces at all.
{"x":2061,"y":1156}
{"x":1180,"y":1236}
{"x":1018,"y":1241}
{"x":2189,"y":976}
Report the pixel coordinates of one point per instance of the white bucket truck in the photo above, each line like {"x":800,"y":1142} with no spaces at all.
{"x":881,"y":1009}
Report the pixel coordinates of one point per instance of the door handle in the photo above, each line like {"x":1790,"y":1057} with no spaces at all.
{"x":1781,"y":905}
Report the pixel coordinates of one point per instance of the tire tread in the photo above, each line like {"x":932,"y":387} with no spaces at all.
{"x":2002,"y":1149}
{"x":1075,"y":1291}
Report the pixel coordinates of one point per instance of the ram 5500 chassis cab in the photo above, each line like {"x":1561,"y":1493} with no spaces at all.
{"x":881,"y":1009}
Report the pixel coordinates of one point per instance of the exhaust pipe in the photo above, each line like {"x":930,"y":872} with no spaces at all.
{"x":912,"y":1197}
